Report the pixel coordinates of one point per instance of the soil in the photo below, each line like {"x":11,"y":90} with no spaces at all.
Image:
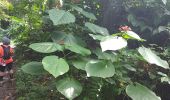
{"x":8,"y":89}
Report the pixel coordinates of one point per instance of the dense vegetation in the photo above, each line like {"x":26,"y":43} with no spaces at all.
{"x":89,"y":49}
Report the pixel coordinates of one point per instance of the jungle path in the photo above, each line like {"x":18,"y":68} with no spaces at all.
{"x":8,"y":89}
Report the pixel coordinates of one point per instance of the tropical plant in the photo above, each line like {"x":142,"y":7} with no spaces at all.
{"x":77,"y":52}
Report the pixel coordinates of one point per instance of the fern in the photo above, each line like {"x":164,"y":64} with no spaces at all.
{"x":92,"y":88}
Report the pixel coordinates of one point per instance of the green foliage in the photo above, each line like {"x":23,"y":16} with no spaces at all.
{"x":164,"y":1}
{"x":101,"y":68}
{"x":80,"y":63}
{"x":152,"y":58}
{"x":46,"y":47}
{"x":61,"y":17}
{"x":133,"y":35}
{"x":77,"y":49}
{"x":83,"y":12}
{"x":70,"y":88}
{"x":55,"y":66}
{"x":5,"y":5}
{"x":97,"y":29}
{"x":139,"y":92}
{"x":98,"y":64}
{"x":33,"y":68}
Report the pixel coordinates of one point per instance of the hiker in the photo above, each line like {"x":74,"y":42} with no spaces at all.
{"x":6,"y":60}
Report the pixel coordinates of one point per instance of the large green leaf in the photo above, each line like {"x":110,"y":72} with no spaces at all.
{"x":33,"y":68}
{"x":46,"y":47}
{"x":69,"y":87}
{"x":78,"y":49}
{"x":113,"y":43}
{"x":96,"y":29}
{"x":152,"y":58}
{"x":55,"y":66}
{"x":61,"y":17}
{"x":140,"y":92}
{"x":85,"y":13}
{"x":100,"y":68}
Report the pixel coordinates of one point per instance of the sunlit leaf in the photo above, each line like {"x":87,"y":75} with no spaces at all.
{"x":165,"y":79}
{"x":139,"y":92}
{"x":33,"y":68}
{"x":69,"y":87}
{"x":61,"y":17}
{"x":152,"y":58}
{"x":133,"y":35}
{"x":5,"y":4}
{"x":16,"y":19}
{"x":55,"y":66}
{"x":100,"y":68}
{"x":161,"y":28}
{"x":96,"y":29}
{"x":164,"y":1}
{"x":113,"y":43}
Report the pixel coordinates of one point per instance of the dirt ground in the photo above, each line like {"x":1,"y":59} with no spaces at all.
{"x":7,"y":88}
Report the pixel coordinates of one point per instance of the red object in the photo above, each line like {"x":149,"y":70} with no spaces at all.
{"x":125,"y":28}
{"x":2,"y":53}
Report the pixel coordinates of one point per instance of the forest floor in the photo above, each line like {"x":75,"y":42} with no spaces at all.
{"x":8,"y":89}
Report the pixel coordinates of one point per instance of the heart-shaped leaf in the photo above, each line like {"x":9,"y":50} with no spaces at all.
{"x":46,"y":47}
{"x":113,"y":43}
{"x":69,"y":87}
{"x":55,"y":66}
{"x":33,"y":68}
{"x":100,"y":68}
{"x":140,"y":92}
{"x":96,"y":29}
{"x":61,"y":17}
{"x":152,"y":58}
